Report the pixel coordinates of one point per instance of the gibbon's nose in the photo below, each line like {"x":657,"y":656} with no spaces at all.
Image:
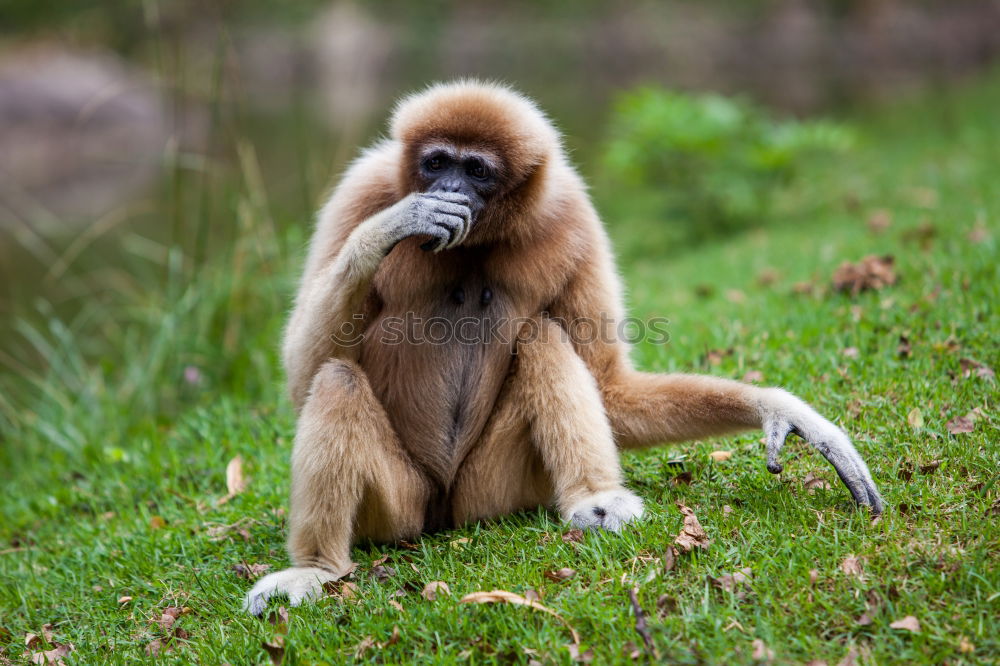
{"x":449,"y":185}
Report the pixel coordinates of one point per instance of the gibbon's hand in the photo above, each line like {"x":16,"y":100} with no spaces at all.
{"x":444,"y":216}
{"x":782,"y":413}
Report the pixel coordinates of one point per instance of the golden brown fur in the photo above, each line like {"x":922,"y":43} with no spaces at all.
{"x":397,"y":438}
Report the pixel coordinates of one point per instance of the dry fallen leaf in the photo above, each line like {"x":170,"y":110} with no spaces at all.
{"x":760,"y":651}
{"x":502,"y":596}
{"x":852,"y":566}
{"x":879,"y":221}
{"x":395,"y":604}
{"x":458,"y":544}
{"x":574,"y":535}
{"x":851,"y":352}
{"x":275,"y":649}
{"x":736,"y":582}
{"x":585,"y":657}
{"x":235,"y":483}
{"x":432,"y":588}
{"x":560,"y":575}
{"x":909,"y":623}
{"x":970,"y":366}
{"x":915,"y":418}
{"x":851,"y":658}
{"x":719,"y":456}
{"x":124,"y":600}
{"x":692,"y":535}
{"x":53,"y":656}
{"x":157,"y":522}
{"x":965,"y":646}
{"x":249,"y":571}
{"x":669,"y":558}
{"x":871,"y":272}
{"x":811,"y":482}
{"x":383,"y":573}
{"x":726,"y":509}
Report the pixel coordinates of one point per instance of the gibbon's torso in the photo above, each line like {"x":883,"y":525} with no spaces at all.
{"x":439,"y":349}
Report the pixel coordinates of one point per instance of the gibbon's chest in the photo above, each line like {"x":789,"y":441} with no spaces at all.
{"x":438,"y":352}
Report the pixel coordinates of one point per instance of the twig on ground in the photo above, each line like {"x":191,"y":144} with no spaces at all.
{"x":640,"y":624}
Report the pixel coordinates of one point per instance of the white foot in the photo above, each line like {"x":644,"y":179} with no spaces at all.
{"x":609,"y":510}
{"x":298,"y":584}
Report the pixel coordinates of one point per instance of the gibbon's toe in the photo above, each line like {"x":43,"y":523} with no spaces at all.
{"x":608,"y":510}
{"x":298,"y":584}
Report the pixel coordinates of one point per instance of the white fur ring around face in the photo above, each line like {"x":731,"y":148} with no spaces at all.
{"x":609,"y":510}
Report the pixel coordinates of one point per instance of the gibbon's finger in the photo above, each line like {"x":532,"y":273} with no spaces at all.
{"x":777,"y":432}
{"x":458,"y":210}
{"x":451,"y":197}
{"x":455,"y":226}
{"x":852,"y":471}
{"x":440,"y":236}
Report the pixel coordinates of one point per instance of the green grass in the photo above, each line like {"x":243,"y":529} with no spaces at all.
{"x":111,"y":436}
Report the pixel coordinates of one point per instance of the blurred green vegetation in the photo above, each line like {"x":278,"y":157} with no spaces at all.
{"x":686,"y":168}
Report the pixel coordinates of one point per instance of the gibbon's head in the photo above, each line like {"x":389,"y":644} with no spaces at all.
{"x":481,"y":139}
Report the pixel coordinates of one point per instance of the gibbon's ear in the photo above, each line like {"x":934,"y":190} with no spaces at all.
{"x":474,"y":114}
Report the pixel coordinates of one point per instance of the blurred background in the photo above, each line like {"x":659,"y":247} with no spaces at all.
{"x":160,"y":162}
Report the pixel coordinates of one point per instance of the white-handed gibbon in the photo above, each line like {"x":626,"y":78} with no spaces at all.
{"x":429,"y":358}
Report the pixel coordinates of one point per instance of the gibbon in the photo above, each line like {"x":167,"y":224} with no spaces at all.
{"x":432,"y":358}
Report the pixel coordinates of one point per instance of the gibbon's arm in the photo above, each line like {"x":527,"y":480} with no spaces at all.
{"x":648,"y":408}
{"x":324,"y":323}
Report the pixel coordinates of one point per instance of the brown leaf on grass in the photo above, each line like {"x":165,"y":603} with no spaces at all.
{"x":531,"y":594}
{"x":904,"y":349}
{"x":692,"y":534}
{"x":965,"y":646}
{"x":930,"y":467}
{"x":753,"y":376}
{"x":761,"y":652}
{"x":157,"y":523}
{"x":381,"y":560}
{"x":970,"y":367}
{"x":915,"y":418}
{"x":720,"y":456}
{"x":871,"y":272}
{"x":235,"y":483}
{"x":908,"y":623}
{"x":154,"y":647}
{"x":574,"y":535}
{"x":275,"y":649}
{"x":852,"y":566}
{"x":813,"y":576}
{"x":505,"y":597}
{"x":961,"y":424}
{"x":767,"y":277}
{"x":851,"y":658}
{"x":816,"y":662}
{"x":585,"y":657}
{"x":666,"y":605}
{"x":715,"y":356}
{"x":879,"y":221}
{"x":811,"y":482}
{"x":803,"y":288}
{"x":737,"y":582}
{"x":278,"y":617}
{"x":850,"y":352}
{"x":459,"y":544}
{"x":368,"y":643}
{"x":124,"y":600}
{"x":432,"y":588}
{"x":383,"y":573}
{"x":905,"y":472}
{"x":669,"y":558}
{"x":683,"y":479}
{"x":873,"y":603}
{"x":249,"y":571}
{"x":560,"y":575}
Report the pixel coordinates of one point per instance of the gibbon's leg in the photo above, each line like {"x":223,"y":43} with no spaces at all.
{"x":549,"y":441}
{"x":350,"y":479}
{"x":646,"y":409}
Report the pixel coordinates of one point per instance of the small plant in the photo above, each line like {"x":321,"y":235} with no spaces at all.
{"x":706,"y":164}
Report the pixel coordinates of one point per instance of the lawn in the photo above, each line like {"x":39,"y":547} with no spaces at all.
{"x":114,"y":459}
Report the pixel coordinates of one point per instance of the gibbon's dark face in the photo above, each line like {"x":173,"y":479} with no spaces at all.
{"x":447,"y":168}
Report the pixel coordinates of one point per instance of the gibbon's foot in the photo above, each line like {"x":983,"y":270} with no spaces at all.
{"x":608,"y":510}
{"x":297,"y":583}
{"x":783,"y":414}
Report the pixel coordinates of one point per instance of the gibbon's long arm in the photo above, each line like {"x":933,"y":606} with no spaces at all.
{"x":323,"y":324}
{"x":648,"y":408}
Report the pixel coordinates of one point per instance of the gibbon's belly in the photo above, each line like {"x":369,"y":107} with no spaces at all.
{"x":438,"y":372}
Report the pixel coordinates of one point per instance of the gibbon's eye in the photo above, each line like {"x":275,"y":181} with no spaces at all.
{"x":434,"y":163}
{"x":476,"y":169}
